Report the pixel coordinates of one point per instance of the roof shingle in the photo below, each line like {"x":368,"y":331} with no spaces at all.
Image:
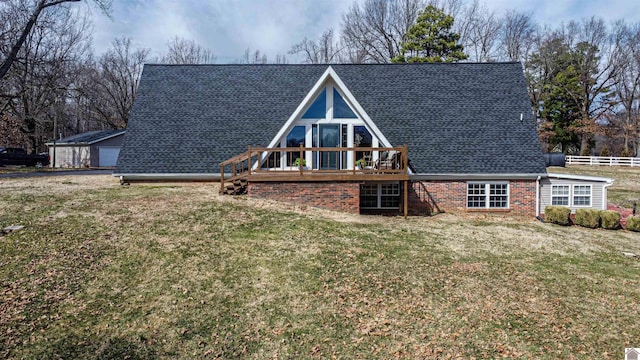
{"x":460,"y":118}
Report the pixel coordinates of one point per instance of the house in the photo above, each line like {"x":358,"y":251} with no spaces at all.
{"x":90,"y":149}
{"x":574,"y":191}
{"x":412,"y":138}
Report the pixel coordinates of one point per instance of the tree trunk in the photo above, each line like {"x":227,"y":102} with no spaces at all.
{"x":11,"y":57}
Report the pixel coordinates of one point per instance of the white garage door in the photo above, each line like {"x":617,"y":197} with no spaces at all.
{"x":108,"y":155}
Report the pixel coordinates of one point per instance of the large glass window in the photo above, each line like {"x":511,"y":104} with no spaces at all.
{"x":295,"y":138}
{"x":560,"y":195}
{"x":362,"y":138}
{"x":488,"y":195}
{"x":341,"y":109}
{"x":318,"y":109}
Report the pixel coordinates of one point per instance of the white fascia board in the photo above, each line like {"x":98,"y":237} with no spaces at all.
{"x":579,"y":177}
{"x":330,"y":74}
{"x":84,"y":142}
{"x":106,"y":138}
{"x":168,"y":177}
{"x":359,"y":110}
{"x":475,"y":176}
{"x":275,"y":142}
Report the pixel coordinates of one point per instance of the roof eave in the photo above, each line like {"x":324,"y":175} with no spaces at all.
{"x":168,"y":177}
{"x":422,"y":176}
{"x":580,"y":177}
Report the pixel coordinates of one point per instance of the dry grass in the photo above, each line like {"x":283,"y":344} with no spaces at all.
{"x":176,"y":271}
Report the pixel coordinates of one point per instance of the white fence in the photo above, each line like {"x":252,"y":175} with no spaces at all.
{"x":602,"y":160}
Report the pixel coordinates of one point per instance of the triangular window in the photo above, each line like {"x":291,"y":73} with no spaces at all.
{"x":341,"y":109}
{"x":317,"y":110}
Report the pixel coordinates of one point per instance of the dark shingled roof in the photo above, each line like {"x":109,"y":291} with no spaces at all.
{"x":90,"y":137}
{"x":456,"y":118}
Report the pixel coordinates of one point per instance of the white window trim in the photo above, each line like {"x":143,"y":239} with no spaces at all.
{"x":487,"y":195}
{"x":329,"y":79}
{"x":379,"y":198}
{"x":573,"y":195}
{"x":568,"y":196}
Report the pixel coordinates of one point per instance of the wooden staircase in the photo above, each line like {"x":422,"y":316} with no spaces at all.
{"x":236,"y":187}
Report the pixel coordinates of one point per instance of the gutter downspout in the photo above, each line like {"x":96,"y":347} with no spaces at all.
{"x":538,"y":196}
{"x":605,"y":204}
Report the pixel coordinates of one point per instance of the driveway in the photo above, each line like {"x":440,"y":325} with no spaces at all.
{"x":56,"y":173}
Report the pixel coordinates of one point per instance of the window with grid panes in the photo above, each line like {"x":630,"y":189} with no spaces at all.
{"x":581,"y":195}
{"x":476,"y":197}
{"x":389,"y":195}
{"x":488,"y":195}
{"x":560,"y":195}
{"x":369,"y":195}
{"x":380,"y":196}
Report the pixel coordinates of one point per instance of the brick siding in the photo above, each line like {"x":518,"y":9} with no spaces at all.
{"x":432,"y":197}
{"x":340,"y":196}
{"x":425,"y":197}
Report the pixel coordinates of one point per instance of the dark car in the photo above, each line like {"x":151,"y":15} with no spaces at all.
{"x":18,"y":156}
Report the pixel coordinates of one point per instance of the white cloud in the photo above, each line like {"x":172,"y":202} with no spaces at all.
{"x":229,"y":27}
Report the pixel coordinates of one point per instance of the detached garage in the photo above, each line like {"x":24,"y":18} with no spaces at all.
{"x":90,"y":149}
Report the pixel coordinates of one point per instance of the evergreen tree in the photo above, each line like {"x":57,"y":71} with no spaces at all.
{"x":431,"y":39}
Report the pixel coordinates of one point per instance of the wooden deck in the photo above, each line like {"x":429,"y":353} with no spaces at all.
{"x":356,"y":164}
{"x":344,"y":164}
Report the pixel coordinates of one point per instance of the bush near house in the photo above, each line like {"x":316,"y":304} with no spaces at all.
{"x":589,"y":218}
{"x":610,"y":219}
{"x":633,"y":223}
{"x":557,"y":215}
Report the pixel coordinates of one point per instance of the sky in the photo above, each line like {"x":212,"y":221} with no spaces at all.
{"x":229,"y":27}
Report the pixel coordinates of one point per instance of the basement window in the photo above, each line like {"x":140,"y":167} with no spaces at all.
{"x":493,"y":195}
{"x":380,"y":196}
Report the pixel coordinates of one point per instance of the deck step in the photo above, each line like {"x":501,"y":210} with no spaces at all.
{"x":237,"y":187}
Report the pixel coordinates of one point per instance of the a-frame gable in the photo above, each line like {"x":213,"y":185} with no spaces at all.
{"x":329,"y":75}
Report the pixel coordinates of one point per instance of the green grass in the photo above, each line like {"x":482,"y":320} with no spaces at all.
{"x":145,"y":272}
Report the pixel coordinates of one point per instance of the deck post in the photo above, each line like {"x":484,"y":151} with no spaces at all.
{"x":249,"y":160}
{"x":405,"y":159}
{"x":221,"y":178}
{"x":406,"y":198}
{"x":300,"y":162}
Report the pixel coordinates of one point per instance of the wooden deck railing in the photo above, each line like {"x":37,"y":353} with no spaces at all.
{"x":337,"y":163}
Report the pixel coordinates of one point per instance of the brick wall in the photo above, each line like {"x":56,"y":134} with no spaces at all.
{"x":425,"y":197}
{"x":431,"y":197}
{"x":340,"y":196}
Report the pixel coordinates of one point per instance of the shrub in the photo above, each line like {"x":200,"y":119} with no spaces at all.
{"x":633,"y":223}
{"x":610,"y":219}
{"x":557,"y":215}
{"x":605,"y":151}
{"x":589,"y":218}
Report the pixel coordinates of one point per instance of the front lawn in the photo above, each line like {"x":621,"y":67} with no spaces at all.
{"x":176,"y":271}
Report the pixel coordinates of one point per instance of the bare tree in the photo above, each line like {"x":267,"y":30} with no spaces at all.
{"x":377,"y":28}
{"x":517,"y":34}
{"x":596,"y":71}
{"x":480,"y":32}
{"x":183,"y":51}
{"x":115,"y":82}
{"x":627,"y":84}
{"x":34,"y":9}
{"x":322,"y":51}
{"x":42,"y":72}
{"x":254,"y":57}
